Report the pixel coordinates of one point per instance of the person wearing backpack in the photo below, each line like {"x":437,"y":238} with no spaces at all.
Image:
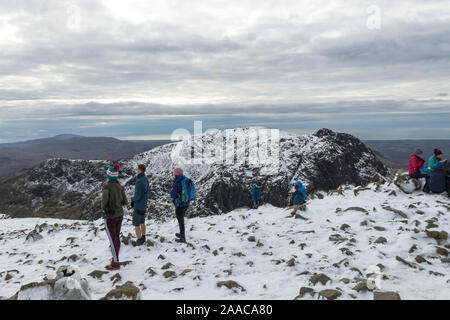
{"x":256,"y":195}
{"x":183,"y":191}
{"x":299,"y":195}
{"x":139,"y":205}
{"x":113,"y":200}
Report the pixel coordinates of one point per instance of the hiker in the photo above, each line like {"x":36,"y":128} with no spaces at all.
{"x":113,"y":199}
{"x":139,"y":205}
{"x":256,"y":195}
{"x":416,"y":163}
{"x":299,"y":195}
{"x":439,"y":179}
{"x":182,"y":192}
{"x":435,"y":159}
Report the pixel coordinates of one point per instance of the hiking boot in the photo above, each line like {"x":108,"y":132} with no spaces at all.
{"x":180,"y":240}
{"x":112,"y":266}
{"x":138,"y":242}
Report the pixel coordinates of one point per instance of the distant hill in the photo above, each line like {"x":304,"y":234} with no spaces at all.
{"x":398,"y":151}
{"x":20,"y":155}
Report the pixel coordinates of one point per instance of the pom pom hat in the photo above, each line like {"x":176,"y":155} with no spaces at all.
{"x":113,"y":172}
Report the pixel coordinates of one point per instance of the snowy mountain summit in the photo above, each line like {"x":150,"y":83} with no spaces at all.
{"x":223,"y":164}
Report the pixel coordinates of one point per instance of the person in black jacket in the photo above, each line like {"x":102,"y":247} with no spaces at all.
{"x":439,"y":180}
{"x":139,"y":204}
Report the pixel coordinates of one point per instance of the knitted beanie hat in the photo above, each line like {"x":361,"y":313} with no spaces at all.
{"x":113,"y":172}
{"x":437,"y":152}
{"x":178,"y":171}
{"x":418,"y":151}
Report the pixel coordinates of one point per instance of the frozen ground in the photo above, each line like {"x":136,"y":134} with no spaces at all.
{"x":219,"y":249}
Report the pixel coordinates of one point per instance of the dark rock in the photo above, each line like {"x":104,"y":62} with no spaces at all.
{"x":151,"y":272}
{"x":381,"y":240}
{"x":356,"y":209}
{"x":128,"y":291}
{"x":442,"y":251}
{"x":97,"y":274}
{"x":388,"y":295}
{"x":230,"y":284}
{"x":291,"y":263}
{"x":396,"y":211}
{"x":169,"y":275}
{"x":330,"y":294}
{"x":166,"y":266}
{"x":116,"y":278}
{"x":361,"y":286}
{"x":322,"y":278}
{"x":305,"y":290}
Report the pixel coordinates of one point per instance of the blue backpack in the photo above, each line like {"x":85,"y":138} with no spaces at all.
{"x":188,"y":190}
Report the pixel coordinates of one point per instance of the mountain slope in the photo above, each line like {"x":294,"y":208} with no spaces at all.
{"x":323,"y":160}
{"x":342,"y":238}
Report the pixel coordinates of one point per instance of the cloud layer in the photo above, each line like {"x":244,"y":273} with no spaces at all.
{"x":77,"y":63}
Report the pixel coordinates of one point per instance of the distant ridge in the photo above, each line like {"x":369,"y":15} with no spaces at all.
{"x":25,"y":154}
{"x":398,"y":151}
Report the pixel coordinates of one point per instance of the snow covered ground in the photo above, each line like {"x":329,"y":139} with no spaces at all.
{"x":219,"y":249}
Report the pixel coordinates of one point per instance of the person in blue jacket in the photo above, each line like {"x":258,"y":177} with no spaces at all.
{"x":180,"y":206}
{"x":299,"y":195}
{"x":139,"y":204}
{"x":256,"y":195}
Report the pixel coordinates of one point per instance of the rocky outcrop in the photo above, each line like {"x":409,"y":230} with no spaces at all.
{"x":323,"y":160}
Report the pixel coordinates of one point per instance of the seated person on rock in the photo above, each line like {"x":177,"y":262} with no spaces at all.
{"x":416,"y":164}
{"x":439,"y":179}
{"x":435,"y":159}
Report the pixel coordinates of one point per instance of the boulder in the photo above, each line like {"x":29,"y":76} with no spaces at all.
{"x":232,"y":285}
{"x":34,"y":235}
{"x":381,"y":240}
{"x":127,"y":291}
{"x":330,"y":294}
{"x":67,"y":285}
{"x":303,"y":291}
{"x":321,"y":277}
{"x":387,"y":295}
{"x":407,"y":184}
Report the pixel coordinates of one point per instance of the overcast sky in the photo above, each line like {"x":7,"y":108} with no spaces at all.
{"x":140,"y":69}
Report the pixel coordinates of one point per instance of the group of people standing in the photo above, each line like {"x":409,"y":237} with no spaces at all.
{"x":436,"y":175}
{"x":114,"y":199}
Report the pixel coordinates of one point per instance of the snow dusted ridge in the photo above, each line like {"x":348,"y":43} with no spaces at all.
{"x":323,"y":160}
{"x":397,"y":240}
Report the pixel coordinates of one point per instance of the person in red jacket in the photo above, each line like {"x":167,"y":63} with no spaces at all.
{"x":416,"y":163}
